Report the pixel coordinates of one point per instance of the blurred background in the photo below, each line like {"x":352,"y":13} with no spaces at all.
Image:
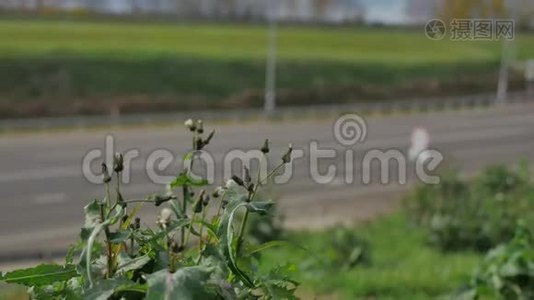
{"x":67,"y":57}
{"x":74,"y":71}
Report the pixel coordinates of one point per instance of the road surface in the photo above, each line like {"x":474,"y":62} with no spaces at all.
{"x":43,"y":190}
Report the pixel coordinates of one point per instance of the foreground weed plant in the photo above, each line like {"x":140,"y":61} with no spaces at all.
{"x":507,"y":272}
{"x":478,"y":214}
{"x":199,"y":249}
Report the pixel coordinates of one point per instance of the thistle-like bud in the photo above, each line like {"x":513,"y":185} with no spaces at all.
{"x":200,"y":126}
{"x":105,"y":174}
{"x":160,"y":199}
{"x":217,"y":192}
{"x":238,"y":180}
{"x":118,"y":163}
{"x":230,"y":184}
{"x":206,"y":200}
{"x":164,"y":217}
{"x":250,"y":188}
{"x":199,"y":144}
{"x":197,"y":207}
{"x":287,"y":157}
{"x":190,"y":125}
{"x":265,"y":147}
{"x":175,"y":248}
{"x":247,"y":178}
{"x":120,"y":200}
{"x":210,"y":136}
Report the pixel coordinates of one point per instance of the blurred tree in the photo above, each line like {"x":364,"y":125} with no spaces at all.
{"x":463,"y":9}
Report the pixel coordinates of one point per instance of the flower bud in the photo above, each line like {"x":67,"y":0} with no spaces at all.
{"x":164,"y":217}
{"x":120,"y":200}
{"x":287,"y":157}
{"x":160,"y":199}
{"x":247,"y":178}
{"x":238,"y":180}
{"x":230,"y":184}
{"x":217,"y":192}
{"x":190,"y":125}
{"x":197,"y":207}
{"x":199,"y":144}
{"x":200,"y":126}
{"x":206,"y":200}
{"x":265,"y":147}
{"x":210,"y":136}
{"x":118,"y":163}
{"x":105,"y":174}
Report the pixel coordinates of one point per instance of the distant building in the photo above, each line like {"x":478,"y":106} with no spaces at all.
{"x":323,"y":11}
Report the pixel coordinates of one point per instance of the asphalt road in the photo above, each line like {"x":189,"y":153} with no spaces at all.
{"x":42,"y":189}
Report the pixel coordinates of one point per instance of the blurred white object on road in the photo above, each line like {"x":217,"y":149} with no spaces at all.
{"x":420,"y":141}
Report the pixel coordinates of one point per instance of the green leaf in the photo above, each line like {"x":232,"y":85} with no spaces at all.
{"x":104,"y":289}
{"x":126,"y":263}
{"x":119,"y":236}
{"x":92,"y":214}
{"x":260,"y":207}
{"x":41,"y":275}
{"x":185,"y":179}
{"x":232,"y":264}
{"x":251,"y":249}
{"x":186,"y":283}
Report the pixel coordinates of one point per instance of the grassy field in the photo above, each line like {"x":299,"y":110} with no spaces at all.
{"x":46,"y":64}
{"x":402,"y":265}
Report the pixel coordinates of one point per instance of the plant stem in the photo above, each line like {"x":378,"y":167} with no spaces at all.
{"x":189,"y":231}
{"x":185,"y":198}
{"x":108,"y":244}
{"x":201,"y":230}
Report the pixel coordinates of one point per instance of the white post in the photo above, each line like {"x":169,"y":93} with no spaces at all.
{"x":270,"y":68}
{"x":508,"y":54}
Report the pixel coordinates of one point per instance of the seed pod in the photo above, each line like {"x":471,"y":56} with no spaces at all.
{"x":238,"y":180}
{"x":160,"y":199}
{"x":250,"y":188}
{"x":137,"y":223}
{"x":206,"y":200}
{"x":287,"y":157}
{"x":105,"y":174}
{"x":200,"y":126}
{"x":265,"y":147}
{"x":190,"y":125}
{"x":197,"y":207}
{"x":210,"y":136}
{"x":120,"y":200}
{"x":199,"y":144}
{"x":247,"y":178}
{"x":217,"y":192}
{"x":174,"y":247}
{"x":118,"y":163}
{"x":230,"y":184}
{"x":164,"y":217}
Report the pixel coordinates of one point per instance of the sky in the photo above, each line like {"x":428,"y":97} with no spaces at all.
{"x":385,"y":11}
